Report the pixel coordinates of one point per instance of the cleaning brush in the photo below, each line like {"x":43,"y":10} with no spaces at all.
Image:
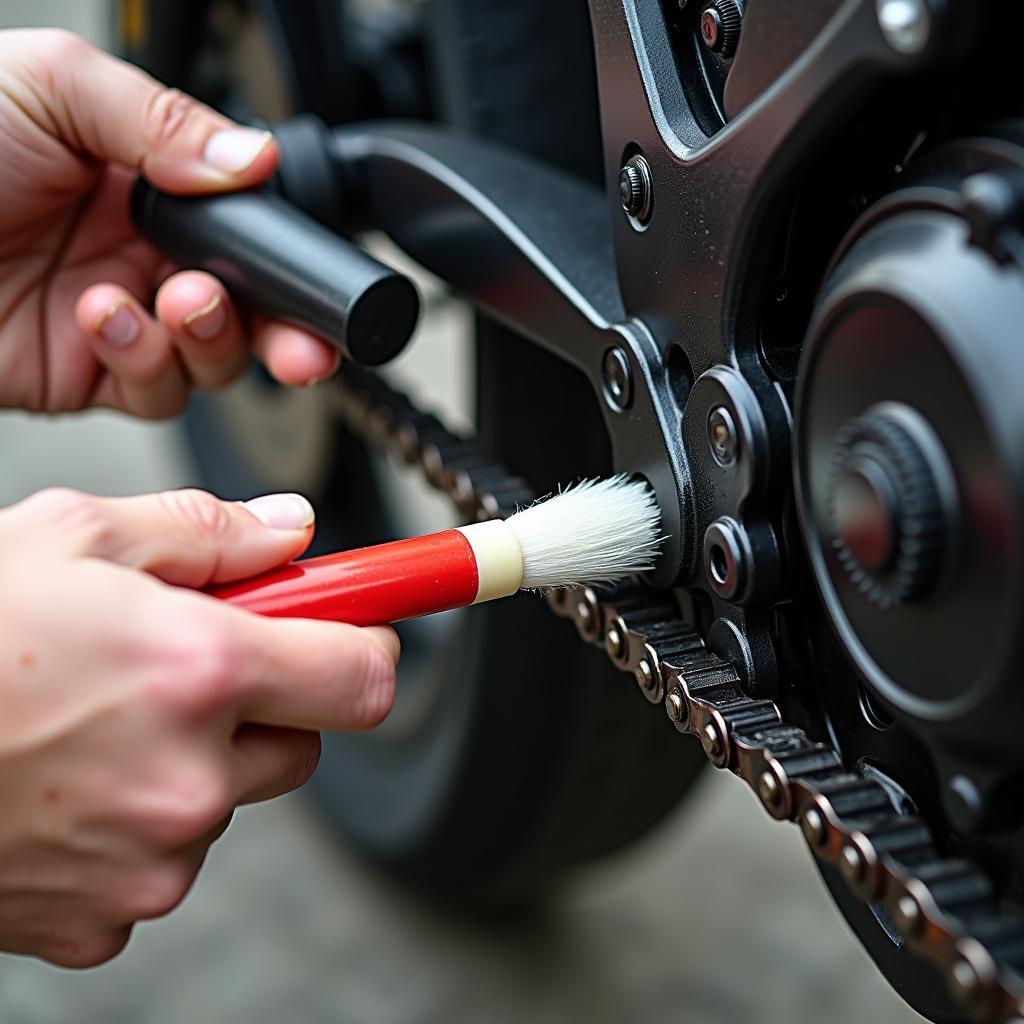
{"x":595,"y":532}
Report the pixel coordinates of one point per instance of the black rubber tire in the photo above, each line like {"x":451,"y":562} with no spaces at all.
{"x":532,"y":754}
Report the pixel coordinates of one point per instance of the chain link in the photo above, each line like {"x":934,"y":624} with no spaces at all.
{"x":945,"y":908}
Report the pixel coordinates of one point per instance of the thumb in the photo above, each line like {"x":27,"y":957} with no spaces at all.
{"x":116,"y":112}
{"x":192,"y":538}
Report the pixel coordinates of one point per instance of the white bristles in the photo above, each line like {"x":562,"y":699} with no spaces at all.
{"x":595,"y":532}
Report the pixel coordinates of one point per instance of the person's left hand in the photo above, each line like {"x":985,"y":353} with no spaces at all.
{"x":76,"y":281}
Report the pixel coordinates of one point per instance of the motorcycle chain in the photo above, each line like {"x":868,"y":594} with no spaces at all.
{"x":946,"y":909}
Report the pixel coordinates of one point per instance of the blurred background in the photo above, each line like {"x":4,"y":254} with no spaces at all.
{"x":717,"y":915}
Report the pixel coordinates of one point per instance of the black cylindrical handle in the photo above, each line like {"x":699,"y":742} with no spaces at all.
{"x":280,"y":261}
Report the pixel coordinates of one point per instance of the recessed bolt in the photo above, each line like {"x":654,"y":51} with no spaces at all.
{"x":720,"y":24}
{"x":711,"y":28}
{"x":645,"y":676}
{"x":722,"y":436}
{"x":618,"y":379}
{"x":851,"y":865}
{"x":714,"y":745}
{"x":906,"y":24}
{"x":614,"y":641}
{"x":907,"y":915}
{"x":812,"y":824}
{"x":675,"y":707}
{"x":769,"y":790}
{"x":636,"y":188}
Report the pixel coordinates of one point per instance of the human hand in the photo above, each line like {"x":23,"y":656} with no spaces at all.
{"x":135,"y":716}
{"x":76,"y":281}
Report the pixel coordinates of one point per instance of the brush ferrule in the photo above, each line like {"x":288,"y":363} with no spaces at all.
{"x":499,"y":560}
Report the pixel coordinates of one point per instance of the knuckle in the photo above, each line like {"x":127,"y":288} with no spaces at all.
{"x":159,"y":891}
{"x":72,"y":511}
{"x":199,"y":674}
{"x":167,"y":112}
{"x":81,"y":949}
{"x":192,"y":814}
{"x":200,"y":512}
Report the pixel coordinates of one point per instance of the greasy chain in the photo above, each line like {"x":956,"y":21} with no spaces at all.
{"x":945,"y":908}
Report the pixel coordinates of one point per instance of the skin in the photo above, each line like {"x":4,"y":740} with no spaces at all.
{"x":136,"y":713}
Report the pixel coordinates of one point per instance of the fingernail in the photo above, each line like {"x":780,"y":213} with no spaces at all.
{"x":207,"y":321}
{"x":234,"y":149}
{"x":282,"y":511}
{"x":118,"y":325}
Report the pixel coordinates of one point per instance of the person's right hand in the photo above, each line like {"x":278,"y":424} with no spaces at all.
{"x":136,"y":715}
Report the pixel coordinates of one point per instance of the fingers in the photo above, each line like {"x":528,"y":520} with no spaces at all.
{"x":195,"y":309}
{"x":145,"y":376}
{"x":116,"y":112}
{"x":313,"y":675}
{"x":186,"y":537}
{"x":270,"y":762}
{"x":292,"y":355}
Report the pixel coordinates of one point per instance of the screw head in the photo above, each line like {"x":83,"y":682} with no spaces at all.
{"x":907,"y":915}
{"x":906,"y":24}
{"x":614,"y":641}
{"x":769,"y":790}
{"x":851,"y":864}
{"x":675,"y":707}
{"x":636,"y":188}
{"x":645,"y":676}
{"x":812,"y":824}
{"x":618,"y":379}
{"x":722,"y":436}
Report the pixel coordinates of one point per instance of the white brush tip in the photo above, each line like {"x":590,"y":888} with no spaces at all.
{"x":595,"y":532}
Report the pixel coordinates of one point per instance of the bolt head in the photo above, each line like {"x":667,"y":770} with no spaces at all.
{"x":722,"y":436}
{"x":971,"y":975}
{"x":675,"y":707}
{"x":812,"y":824}
{"x":907,"y":915}
{"x":906,"y":24}
{"x":964,"y":983}
{"x":851,"y":864}
{"x":636,"y":188}
{"x":618,"y":380}
{"x":584,"y":616}
{"x":711,"y":29}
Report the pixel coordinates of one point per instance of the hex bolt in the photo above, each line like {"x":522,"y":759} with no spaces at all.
{"x":618,"y":379}
{"x":905,"y":24}
{"x":812,"y":824}
{"x":675,"y":706}
{"x":615,"y":642}
{"x":769,"y":790}
{"x":851,"y":865}
{"x":645,"y":676}
{"x":636,"y":188}
{"x":722,"y":436}
{"x":907,"y":916}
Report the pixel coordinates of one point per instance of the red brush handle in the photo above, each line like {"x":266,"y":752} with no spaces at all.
{"x":368,"y":586}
